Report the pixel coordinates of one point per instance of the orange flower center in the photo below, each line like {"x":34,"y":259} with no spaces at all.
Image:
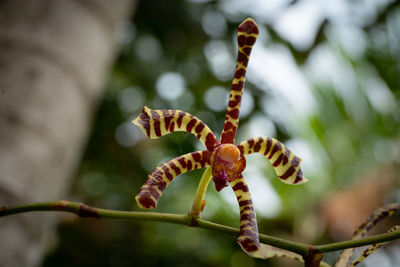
{"x":227,"y":165}
{"x":229,"y":153}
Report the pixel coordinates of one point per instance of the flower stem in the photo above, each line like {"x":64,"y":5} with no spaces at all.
{"x":200,"y":193}
{"x":83,"y":210}
{"x":359,"y":242}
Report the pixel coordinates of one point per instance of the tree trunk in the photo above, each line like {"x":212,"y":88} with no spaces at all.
{"x":54,"y":56}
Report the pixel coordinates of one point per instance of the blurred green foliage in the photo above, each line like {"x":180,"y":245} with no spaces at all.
{"x":351,"y":69}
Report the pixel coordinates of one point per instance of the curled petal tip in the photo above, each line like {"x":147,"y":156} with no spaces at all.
{"x":144,"y":201}
{"x":249,"y":26}
{"x":143,"y":121}
{"x":136,"y":121}
{"x":302,"y":181}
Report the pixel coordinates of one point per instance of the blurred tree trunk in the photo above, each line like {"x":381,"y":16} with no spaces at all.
{"x":54,"y":57}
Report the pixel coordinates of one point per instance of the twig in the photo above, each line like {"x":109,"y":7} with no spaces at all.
{"x":86,"y":211}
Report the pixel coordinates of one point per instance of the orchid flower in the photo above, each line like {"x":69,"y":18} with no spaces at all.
{"x":225,"y":159}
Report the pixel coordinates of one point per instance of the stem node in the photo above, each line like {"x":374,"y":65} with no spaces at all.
{"x":313,"y":257}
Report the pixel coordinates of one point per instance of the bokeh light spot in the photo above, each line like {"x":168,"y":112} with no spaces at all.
{"x":214,"y":24}
{"x":260,"y":125}
{"x":299,"y":24}
{"x":379,"y":95}
{"x":127,"y":32}
{"x":216,"y":98}
{"x":131,"y":99}
{"x":148,"y":48}
{"x":184,"y":102}
{"x":219,"y":59}
{"x":170,"y":85}
{"x":247,"y":105}
{"x":128,"y":134}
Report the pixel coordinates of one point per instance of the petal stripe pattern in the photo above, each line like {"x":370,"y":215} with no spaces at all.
{"x":372,"y":248}
{"x":284,"y":161}
{"x":377,"y":216}
{"x":157,"y":123}
{"x":247,"y":35}
{"x":159,"y":178}
{"x":248,"y":238}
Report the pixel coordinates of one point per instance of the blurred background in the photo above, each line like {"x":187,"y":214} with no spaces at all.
{"x":323,"y":77}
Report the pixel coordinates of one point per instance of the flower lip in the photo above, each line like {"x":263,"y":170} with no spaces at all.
{"x":220,"y":180}
{"x":227,"y":164}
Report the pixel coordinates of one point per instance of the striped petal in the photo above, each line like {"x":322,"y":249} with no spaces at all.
{"x":159,"y":179}
{"x":156,"y":123}
{"x":247,"y":35}
{"x":377,"y":216}
{"x":248,"y":239}
{"x":372,"y":248}
{"x":284,"y":161}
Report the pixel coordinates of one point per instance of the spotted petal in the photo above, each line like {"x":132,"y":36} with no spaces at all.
{"x":159,"y":178}
{"x":284,"y":161}
{"x":156,"y":123}
{"x":247,"y":35}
